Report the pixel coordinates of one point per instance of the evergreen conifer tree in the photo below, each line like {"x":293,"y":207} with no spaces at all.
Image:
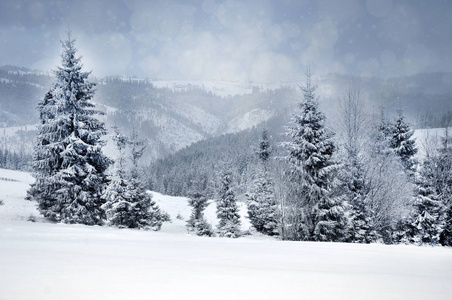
{"x":400,"y":139}
{"x":227,"y":209}
{"x":45,"y":157}
{"x":311,"y":172}
{"x":389,"y":191}
{"x":426,"y":224}
{"x":353,"y":175}
{"x":443,"y":183}
{"x":197,"y":223}
{"x":69,"y":163}
{"x":262,"y":205}
{"x":353,"y":127}
{"x":128,"y":205}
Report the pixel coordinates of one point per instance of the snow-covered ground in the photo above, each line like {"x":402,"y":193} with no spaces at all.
{"x":56,"y":261}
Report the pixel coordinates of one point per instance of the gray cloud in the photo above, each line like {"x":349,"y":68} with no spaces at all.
{"x":257,"y":40}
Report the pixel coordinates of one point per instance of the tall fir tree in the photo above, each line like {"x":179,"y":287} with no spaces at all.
{"x":116,"y":194}
{"x":398,"y":138}
{"x":389,"y":191}
{"x":69,"y":163}
{"x":401,"y":140}
{"x":355,"y":189}
{"x":353,"y":126}
{"x":263,"y":209}
{"x":425,"y":227}
{"x":311,"y":172}
{"x":45,"y":157}
{"x":128,"y":205}
{"x":443,"y":183}
{"x":227,"y":209}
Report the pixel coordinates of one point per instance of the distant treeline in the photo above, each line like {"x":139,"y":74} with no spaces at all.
{"x":14,"y":160}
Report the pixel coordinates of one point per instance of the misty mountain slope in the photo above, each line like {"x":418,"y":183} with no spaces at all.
{"x":172,"y":116}
{"x":20,"y":90}
{"x":425,"y":98}
{"x":198,"y":166}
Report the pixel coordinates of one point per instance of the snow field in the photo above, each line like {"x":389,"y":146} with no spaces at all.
{"x":56,"y":261}
{"x":178,"y":206}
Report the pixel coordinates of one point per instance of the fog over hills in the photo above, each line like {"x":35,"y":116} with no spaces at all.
{"x":171,"y":115}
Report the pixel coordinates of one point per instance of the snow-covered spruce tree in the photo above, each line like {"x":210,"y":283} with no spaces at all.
{"x":116,"y":195}
{"x":71,"y":148}
{"x":396,"y":139}
{"x":353,"y":134}
{"x":265,"y":150}
{"x":227,"y":209}
{"x":45,"y":158}
{"x":432,"y":218}
{"x":197,"y":223}
{"x":400,"y":139}
{"x":317,"y":214}
{"x":443,"y":183}
{"x":389,"y":192}
{"x":128,"y":205}
{"x":263,"y":209}
{"x":426,"y":224}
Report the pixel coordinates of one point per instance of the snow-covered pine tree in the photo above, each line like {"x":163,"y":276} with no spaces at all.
{"x":128,"y":205}
{"x":389,"y":192}
{"x":353,"y":129}
{"x":311,"y":172}
{"x":45,"y":159}
{"x":197,"y":222}
{"x":263,"y":209}
{"x":265,"y":150}
{"x":443,"y":183}
{"x":227,"y":209}
{"x":73,"y":189}
{"x":426,"y":224}
{"x":400,"y":136}
{"x":380,"y":136}
{"x":116,"y":195}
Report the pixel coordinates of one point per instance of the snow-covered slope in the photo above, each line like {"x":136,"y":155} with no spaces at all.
{"x":428,"y":140}
{"x":13,"y":186}
{"x":220,"y":88}
{"x":18,"y":138}
{"x":42,"y":260}
{"x":249,"y":120}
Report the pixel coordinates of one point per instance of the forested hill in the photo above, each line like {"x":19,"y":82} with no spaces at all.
{"x":171,"y":115}
{"x":20,"y":90}
{"x":198,"y":166}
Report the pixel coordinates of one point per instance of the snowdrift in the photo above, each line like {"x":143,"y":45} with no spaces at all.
{"x":41,"y":260}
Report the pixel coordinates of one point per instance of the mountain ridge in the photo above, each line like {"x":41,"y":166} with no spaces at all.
{"x":174,"y":114}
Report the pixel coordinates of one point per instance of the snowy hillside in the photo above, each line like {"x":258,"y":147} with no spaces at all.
{"x":18,"y":138}
{"x":172,"y":114}
{"x":427,"y":140}
{"x":220,"y":88}
{"x":249,"y":120}
{"x":41,"y":260}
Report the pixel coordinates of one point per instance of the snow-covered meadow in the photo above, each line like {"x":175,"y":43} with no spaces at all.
{"x":40,"y":260}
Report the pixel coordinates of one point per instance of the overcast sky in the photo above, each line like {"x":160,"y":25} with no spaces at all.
{"x":249,"y":40}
